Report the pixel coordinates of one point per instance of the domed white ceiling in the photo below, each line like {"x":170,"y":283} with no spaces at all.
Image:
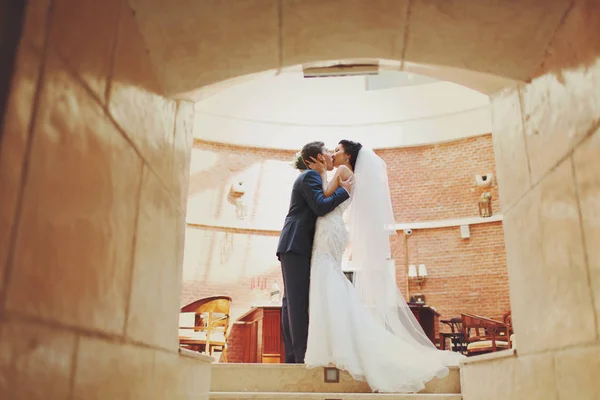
{"x":392,"y":109}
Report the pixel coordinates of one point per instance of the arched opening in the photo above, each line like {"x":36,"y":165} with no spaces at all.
{"x":435,"y":137}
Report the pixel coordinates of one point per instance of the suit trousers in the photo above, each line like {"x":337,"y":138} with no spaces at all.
{"x":295,"y":269}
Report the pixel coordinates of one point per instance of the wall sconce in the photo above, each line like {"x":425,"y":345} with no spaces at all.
{"x":485,"y":205}
{"x":417,"y":274}
{"x":237,"y":191}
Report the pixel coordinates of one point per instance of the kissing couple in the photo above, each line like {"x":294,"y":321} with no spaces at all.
{"x":365,"y":328}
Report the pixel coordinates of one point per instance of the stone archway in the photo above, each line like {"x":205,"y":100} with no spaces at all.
{"x":210,"y":41}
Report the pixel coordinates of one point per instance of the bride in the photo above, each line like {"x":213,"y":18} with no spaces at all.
{"x":367,"y":329}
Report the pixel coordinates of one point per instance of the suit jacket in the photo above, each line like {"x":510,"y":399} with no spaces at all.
{"x":307,"y":203}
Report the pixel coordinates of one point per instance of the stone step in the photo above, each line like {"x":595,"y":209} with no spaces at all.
{"x":330,"y":396}
{"x":271,"y":378}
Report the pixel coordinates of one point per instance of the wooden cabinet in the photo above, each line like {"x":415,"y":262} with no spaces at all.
{"x":428,"y":318}
{"x":262,"y":338}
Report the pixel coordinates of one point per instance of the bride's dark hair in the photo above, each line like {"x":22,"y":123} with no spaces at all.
{"x":351,"y":148}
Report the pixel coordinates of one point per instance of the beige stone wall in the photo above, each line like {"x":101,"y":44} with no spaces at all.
{"x":94,"y":171}
{"x":233,"y":38}
{"x":547,"y":142}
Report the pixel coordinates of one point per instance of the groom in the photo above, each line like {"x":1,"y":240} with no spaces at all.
{"x":296,"y":242}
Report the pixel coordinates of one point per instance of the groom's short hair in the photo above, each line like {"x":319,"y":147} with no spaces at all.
{"x":312,"y":149}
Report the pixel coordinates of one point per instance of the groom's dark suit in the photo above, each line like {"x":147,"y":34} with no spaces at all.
{"x":294,"y":251}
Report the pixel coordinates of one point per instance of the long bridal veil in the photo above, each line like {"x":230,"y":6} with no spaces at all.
{"x":371,"y":222}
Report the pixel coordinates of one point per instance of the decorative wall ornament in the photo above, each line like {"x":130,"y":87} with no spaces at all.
{"x":485,"y":205}
{"x":237,"y":192}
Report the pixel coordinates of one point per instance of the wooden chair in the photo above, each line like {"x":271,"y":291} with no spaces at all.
{"x":507,"y":319}
{"x":204,"y":325}
{"x":456,"y":336}
{"x":484,"y":335}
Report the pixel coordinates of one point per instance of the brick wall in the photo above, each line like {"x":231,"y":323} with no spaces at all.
{"x":464,"y":275}
{"x":225,"y":262}
{"x":427,"y":183}
{"x":267,"y":176}
{"x":438,"y":181}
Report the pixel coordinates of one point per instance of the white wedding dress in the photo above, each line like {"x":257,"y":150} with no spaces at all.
{"x":344,"y":333}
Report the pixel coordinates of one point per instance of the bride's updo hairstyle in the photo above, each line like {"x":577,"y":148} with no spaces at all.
{"x":351,"y":148}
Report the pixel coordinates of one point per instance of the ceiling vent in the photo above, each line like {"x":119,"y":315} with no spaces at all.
{"x":341,"y":70}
